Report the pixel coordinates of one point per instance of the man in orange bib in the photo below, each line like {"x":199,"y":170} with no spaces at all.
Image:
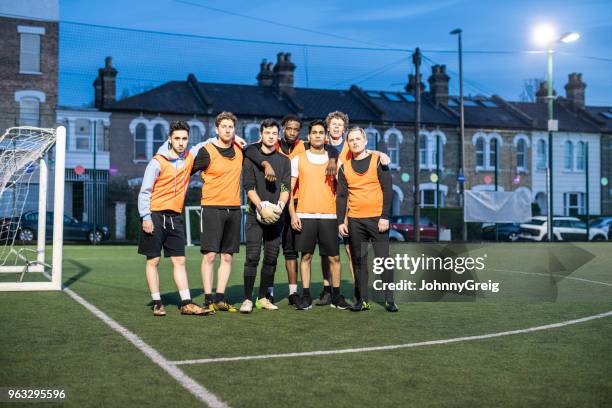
{"x":314,"y":219}
{"x":220,"y":164}
{"x":367,"y":186}
{"x":160,"y":204}
{"x":290,"y":146}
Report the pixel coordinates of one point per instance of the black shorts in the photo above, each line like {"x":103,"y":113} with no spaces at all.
{"x":318,"y":231}
{"x":288,"y":237}
{"x":220,"y":230}
{"x":168,"y":233}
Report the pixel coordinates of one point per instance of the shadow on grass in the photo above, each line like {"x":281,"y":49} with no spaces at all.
{"x":82,"y":271}
{"x":234,"y":294}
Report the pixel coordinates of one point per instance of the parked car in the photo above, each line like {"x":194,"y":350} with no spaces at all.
{"x":505,"y":231}
{"x":74,"y":230}
{"x":564,"y":229}
{"x":404,"y":224}
{"x":396,"y":236}
{"x":604,"y":223}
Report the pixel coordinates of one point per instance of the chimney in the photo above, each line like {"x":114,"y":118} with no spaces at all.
{"x":265,"y":78}
{"x":542,"y":93}
{"x":411,"y":86}
{"x":105,"y":85}
{"x":574,"y":90}
{"x":438,"y":85}
{"x":283,"y":73}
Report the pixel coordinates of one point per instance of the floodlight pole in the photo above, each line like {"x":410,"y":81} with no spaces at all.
{"x":586,"y":175}
{"x":549,"y":100}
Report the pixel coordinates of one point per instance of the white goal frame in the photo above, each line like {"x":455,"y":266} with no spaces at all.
{"x":58,"y":226}
{"x":188,"y":210}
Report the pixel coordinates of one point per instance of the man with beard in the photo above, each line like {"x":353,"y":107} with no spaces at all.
{"x":314,"y":218}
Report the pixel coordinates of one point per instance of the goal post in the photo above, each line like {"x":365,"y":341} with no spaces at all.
{"x":27,"y":147}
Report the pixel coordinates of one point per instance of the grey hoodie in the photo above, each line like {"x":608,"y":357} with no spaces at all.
{"x":152,"y":172}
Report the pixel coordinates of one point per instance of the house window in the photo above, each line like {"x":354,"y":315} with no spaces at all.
{"x":251,"y":133}
{"x":423,"y":149}
{"x":195,"y":135}
{"x":372,"y":135}
{"x":393,"y":138}
{"x":573,"y":204}
{"x":29,"y":51}
{"x":581,"y":156}
{"x":29,"y":111}
{"x":541,"y":155}
{"x":140,"y":142}
{"x":101,"y":136}
{"x":568,"y":155}
{"x":434,"y":153}
{"x":82,"y":133}
{"x":429,"y":199}
{"x":480,"y":152}
{"x":521,"y":154}
{"x":159,"y":136}
{"x":493,"y":152}
{"x":393,"y":149}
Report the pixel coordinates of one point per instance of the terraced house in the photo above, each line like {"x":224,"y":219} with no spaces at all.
{"x":513,"y":134}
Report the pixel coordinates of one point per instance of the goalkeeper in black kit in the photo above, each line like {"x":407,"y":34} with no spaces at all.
{"x":264,"y":224}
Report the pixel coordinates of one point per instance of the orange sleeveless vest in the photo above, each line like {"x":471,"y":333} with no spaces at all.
{"x":171,"y":185}
{"x":317,"y":191}
{"x":222,"y":178}
{"x":365,"y":198}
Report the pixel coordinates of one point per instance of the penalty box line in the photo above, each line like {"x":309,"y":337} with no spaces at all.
{"x":396,"y":346}
{"x":195,"y":388}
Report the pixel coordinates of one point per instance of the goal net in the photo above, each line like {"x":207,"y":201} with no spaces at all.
{"x":25,"y":221}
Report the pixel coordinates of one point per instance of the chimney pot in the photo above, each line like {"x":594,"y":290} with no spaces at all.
{"x":574,"y":90}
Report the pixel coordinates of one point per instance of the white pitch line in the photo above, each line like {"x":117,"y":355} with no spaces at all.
{"x":199,"y":391}
{"x":397,"y":346}
{"x":553,"y":274}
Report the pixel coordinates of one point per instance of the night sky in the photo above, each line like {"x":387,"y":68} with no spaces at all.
{"x":497,"y":38}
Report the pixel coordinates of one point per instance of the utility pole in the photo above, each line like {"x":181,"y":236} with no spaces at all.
{"x":416,"y":59}
{"x":496,"y":181}
{"x":95,"y":185}
{"x":438,"y":197}
{"x":461,"y":177}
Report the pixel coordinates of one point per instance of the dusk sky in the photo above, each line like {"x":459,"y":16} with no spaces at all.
{"x":497,"y":39}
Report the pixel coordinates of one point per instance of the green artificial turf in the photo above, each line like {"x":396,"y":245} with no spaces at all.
{"x":49,"y":340}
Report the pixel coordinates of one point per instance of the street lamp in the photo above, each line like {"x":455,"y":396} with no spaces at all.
{"x":546,"y":35}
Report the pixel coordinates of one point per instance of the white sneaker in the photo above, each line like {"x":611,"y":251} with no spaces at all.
{"x":266,"y":304}
{"x":246,"y":307}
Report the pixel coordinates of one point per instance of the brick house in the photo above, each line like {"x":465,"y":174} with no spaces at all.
{"x":29,"y":53}
{"x":139,"y":125}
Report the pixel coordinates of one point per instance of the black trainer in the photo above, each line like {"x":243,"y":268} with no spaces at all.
{"x":306,"y":303}
{"x":391,"y":307}
{"x":294,"y":299}
{"x":360,"y":306}
{"x":324,"y":300}
{"x":340,"y":303}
